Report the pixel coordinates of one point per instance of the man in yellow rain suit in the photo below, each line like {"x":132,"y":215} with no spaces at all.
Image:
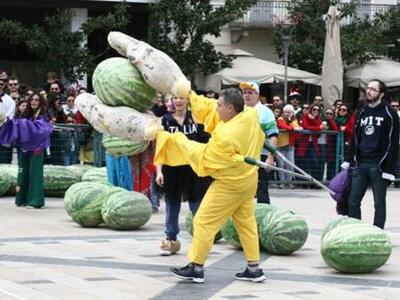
{"x":235,"y":133}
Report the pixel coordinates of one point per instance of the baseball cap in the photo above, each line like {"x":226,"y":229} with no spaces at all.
{"x":294,"y":95}
{"x":250,"y":85}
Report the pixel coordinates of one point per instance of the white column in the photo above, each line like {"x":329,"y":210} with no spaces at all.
{"x":79,"y":16}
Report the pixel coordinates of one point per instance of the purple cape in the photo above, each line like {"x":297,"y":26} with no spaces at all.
{"x":28,"y":134}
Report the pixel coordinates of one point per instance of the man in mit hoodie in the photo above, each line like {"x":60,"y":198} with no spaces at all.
{"x":374,"y":151}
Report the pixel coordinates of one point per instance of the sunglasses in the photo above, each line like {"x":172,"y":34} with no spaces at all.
{"x":305,"y":107}
{"x":13,"y":84}
{"x":16,"y":98}
{"x":394,"y":105}
{"x":328,"y":113}
{"x":342,"y":109}
{"x":315,"y":109}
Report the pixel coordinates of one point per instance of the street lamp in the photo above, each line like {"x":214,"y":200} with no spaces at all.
{"x":286,"y":26}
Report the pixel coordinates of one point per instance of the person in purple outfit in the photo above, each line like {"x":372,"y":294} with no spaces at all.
{"x":31,"y":132}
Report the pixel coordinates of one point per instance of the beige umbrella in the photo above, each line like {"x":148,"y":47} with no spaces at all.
{"x":246,"y":67}
{"x":332,"y":67}
{"x":386,"y":70}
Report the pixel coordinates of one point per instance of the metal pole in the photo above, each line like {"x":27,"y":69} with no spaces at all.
{"x":286,"y":42}
{"x":261,"y":164}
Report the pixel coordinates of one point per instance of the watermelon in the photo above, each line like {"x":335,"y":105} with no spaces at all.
{"x":57,"y":179}
{"x":12,"y":171}
{"x":96,"y":175}
{"x":118,"y":83}
{"x":5,"y":182}
{"x":229,"y":232}
{"x":261,"y":210}
{"x":282,"y":232}
{"x":356,"y":248}
{"x":83,"y":202}
{"x":126,"y":210}
{"x":119,"y":147}
{"x":338,"y":222}
{"x":189,"y":226}
{"x":79,"y":169}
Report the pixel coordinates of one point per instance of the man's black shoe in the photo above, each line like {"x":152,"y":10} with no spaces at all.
{"x":256,"y":276}
{"x":188,"y":272}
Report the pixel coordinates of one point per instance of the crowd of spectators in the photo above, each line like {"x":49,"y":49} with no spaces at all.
{"x":61,"y":109}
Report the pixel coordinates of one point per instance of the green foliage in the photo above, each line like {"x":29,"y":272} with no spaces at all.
{"x":55,"y":46}
{"x":390,"y":23}
{"x":361,"y":39}
{"x":180,"y":28}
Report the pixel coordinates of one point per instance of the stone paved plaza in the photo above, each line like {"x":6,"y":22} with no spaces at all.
{"x":44,"y":255}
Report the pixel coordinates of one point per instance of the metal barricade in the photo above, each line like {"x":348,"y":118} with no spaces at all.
{"x":318,"y":153}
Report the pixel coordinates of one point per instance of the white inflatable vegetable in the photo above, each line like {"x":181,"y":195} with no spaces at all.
{"x":156,"y":67}
{"x":123,"y":122}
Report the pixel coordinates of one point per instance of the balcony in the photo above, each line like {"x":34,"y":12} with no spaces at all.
{"x":265,"y":14}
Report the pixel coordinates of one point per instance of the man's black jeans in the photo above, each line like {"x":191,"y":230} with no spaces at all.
{"x":368,"y":174}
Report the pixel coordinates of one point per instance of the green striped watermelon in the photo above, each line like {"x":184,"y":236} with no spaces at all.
{"x":83,"y":202}
{"x":189,"y":226}
{"x":12,"y":171}
{"x":282,"y":232}
{"x":57,"y":179}
{"x":356,"y":248}
{"x":118,"y":83}
{"x":338,"y":222}
{"x":5,"y":182}
{"x":119,"y":147}
{"x":229,"y":232}
{"x":96,"y":175}
{"x":126,"y":210}
{"x":79,"y":169}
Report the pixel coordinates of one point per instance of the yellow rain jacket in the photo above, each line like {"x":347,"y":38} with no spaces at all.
{"x":232,"y":192}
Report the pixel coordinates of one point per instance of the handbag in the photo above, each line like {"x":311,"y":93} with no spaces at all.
{"x":340,"y":185}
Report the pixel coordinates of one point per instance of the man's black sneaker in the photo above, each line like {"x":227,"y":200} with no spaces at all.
{"x":188,"y":272}
{"x":256,"y":276}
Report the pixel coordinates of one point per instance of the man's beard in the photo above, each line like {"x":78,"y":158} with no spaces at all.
{"x":372,"y":99}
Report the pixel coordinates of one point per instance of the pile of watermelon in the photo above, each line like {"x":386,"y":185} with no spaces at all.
{"x":5,"y":181}
{"x":280,"y":231}
{"x":351,"y":246}
{"x":92,"y":203}
{"x":96,"y":175}
{"x":56,"y":179}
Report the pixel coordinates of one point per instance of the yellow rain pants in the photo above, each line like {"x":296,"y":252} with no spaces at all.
{"x":235,"y":182}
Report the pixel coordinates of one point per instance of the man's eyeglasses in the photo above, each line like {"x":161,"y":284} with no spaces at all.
{"x":12,"y":84}
{"x":394,"y":105}
{"x":15,"y":98}
{"x":373,"y":89}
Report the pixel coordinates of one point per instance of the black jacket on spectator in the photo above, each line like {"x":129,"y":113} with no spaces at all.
{"x":376,"y":138}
